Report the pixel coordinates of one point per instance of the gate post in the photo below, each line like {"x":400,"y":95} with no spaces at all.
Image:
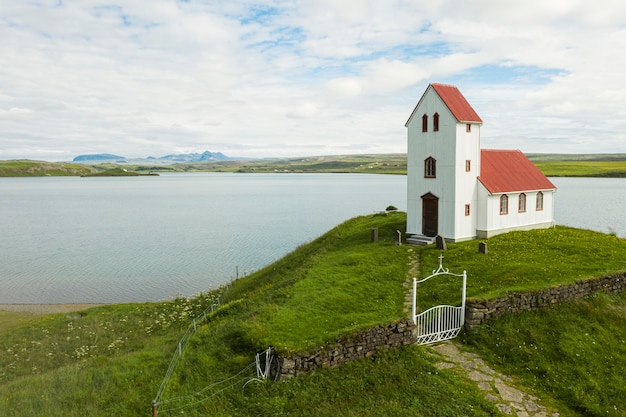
{"x":463,"y":300}
{"x":414,"y":312}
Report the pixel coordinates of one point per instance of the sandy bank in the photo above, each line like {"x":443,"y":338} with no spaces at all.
{"x":45,"y":308}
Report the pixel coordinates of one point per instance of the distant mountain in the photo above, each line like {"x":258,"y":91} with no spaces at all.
{"x":100,"y":157}
{"x":167,"y":159}
{"x":193,"y":157}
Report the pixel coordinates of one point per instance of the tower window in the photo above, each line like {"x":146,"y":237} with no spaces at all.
{"x":467,"y":209}
{"x":468,"y":165}
{"x":521,"y":206}
{"x":504,"y":204}
{"x":539,"y":201}
{"x":468,"y":127}
{"x":436,"y":122}
{"x":425,"y":123}
{"x":430,"y":167}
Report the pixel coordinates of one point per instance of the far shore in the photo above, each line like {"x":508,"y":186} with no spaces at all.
{"x":39,"y":309}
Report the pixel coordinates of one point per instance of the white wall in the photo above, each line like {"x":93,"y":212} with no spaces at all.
{"x":466,"y":190}
{"x":492,"y":222}
{"x":451,"y":146}
{"x":439,"y":145}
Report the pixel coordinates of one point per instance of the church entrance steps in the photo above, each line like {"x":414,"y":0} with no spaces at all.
{"x":420,"y":240}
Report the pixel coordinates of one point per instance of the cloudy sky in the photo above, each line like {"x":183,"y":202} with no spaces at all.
{"x":304,"y":77}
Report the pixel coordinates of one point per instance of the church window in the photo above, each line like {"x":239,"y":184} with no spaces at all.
{"x":468,"y":165}
{"x":521,"y":205}
{"x":467,"y":209}
{"x":539,"y":201}
{"x":504,"y":204}
{"x":436,"y":122}
{"x":468,"y":127}
{"x":430,"y":167}
{"x":425,"y":123}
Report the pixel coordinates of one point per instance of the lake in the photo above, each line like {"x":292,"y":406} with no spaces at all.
{"x":123,"y":239}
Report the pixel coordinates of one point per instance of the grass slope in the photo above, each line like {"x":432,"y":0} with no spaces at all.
{"x":27,"y":168}
{"x":111,"y":360}
{"x":525,"y":261}
{"x":574,"y":353}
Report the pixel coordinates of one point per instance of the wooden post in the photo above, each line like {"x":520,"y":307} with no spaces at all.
{"x":154,"y":410}
{"x":374,"y":234}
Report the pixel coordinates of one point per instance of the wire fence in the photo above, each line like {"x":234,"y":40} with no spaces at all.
{"x":262,"y":365}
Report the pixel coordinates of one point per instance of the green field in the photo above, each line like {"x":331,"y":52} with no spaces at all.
{"x":583,"y":168}
{"x":27,"y":168}
{"x":557,"y":165}
{"x":111,"y":360}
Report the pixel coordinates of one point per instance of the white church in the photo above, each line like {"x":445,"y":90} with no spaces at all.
{"x":458,"y":190}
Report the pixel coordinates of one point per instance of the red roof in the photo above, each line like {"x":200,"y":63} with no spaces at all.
{"x":510,"y":171}
{"x":458,"y":105}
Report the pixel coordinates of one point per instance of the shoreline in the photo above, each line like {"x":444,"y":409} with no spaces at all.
{"x":40,"y":309}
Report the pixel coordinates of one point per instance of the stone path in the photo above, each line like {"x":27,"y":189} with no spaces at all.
{"x":408,"y":283}
{"x":498,"y":388}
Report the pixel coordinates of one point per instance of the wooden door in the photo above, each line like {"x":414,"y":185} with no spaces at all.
{"x":430,"y":215}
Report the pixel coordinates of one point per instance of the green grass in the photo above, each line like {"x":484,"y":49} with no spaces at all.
{"x":525,"y":261}
{"x":403,"y":382}
{"x":105,"y":358}
{"x":583,"y":168}
{"x":574,"y":353}
{"x":369,"y":164}
{"x":348,"y":283}
{"x":557,"y":165}
{"x":111,"y":360}
{"x":119,"y":172}
{"x":27,"y":168}
{"x":10,"y":320}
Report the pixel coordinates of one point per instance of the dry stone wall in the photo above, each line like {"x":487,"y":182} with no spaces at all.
{"x":480,"y":312}
{"x":360,"y":345}
{"x":367,"y":342}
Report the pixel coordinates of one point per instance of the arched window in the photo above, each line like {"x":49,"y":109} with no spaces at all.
{"x":521,"y":205}
{"x":436,"y":122}
{"x":430,"y":167}
{"x":504,"y":204}
{"x":425,"y":123}
{"x":539,"y":201}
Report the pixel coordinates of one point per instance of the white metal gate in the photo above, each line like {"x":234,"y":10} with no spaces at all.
{"x":441,"y":322}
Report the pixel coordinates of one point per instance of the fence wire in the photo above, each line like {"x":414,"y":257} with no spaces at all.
{"x":262,"y":365}
{"x":191,"y":400}
{"x":184,"y":341}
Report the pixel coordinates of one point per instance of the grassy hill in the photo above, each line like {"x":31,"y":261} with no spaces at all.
{"x":111,"y":360}
{"x":571,"y":165}
{"x":27,"y":168}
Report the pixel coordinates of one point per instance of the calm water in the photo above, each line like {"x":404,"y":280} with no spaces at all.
{"x":68,"y":239}
{"x":592,"y":203}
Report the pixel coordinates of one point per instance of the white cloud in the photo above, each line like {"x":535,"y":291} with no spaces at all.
{"x":272,"y":78}
{"x":303,"y":111}
{"x":344,"y":87}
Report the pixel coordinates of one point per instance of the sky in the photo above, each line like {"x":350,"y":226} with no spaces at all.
{"x":289,"y":78}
